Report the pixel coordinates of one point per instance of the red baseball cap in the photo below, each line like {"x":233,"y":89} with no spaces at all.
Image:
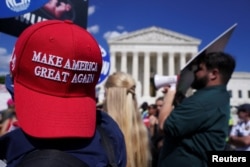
{"x":56,"y":66}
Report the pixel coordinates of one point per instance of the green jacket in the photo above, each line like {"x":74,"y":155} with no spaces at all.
{"x":197,"y":125}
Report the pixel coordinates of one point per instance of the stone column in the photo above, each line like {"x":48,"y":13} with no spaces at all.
{"x":194,"y":54}
{"x":171,"y":64}
{"x":123,"y":62}
{"x":159,"y":65}
{"x":146,"y":76}
{"x":135,"y":65}
{"x":182,"y":60}
{"x":159,"y":69}
{"x":112,"y":62}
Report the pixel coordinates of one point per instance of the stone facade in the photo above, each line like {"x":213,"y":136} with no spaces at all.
{"x":155,"y":50}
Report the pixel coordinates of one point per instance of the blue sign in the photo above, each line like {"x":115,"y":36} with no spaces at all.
{"x":105,"y":65}
{"x":12,"y":8}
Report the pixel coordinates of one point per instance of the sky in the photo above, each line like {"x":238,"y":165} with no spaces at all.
{"x":202,"y":19}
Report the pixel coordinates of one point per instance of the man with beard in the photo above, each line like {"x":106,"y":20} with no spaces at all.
{"x":200,"y":122}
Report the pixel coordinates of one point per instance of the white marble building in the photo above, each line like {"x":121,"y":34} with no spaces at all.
{"x":155,"y":50}
{"x":239,"y":88}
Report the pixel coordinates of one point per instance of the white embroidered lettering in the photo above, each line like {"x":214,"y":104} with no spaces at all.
{"x":51,"y":74}
{"x":80,"y":65}
{"x":44,"y":59}
{"x":67,"y":64}
{"x":51,"y":60}
{"x":83,"y":78}
{"x":36,"y":56}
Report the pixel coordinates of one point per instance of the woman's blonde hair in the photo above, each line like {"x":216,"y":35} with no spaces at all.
{"x":121,"y":104}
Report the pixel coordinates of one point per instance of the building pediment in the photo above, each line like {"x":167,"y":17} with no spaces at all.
{"x":153,"y":35}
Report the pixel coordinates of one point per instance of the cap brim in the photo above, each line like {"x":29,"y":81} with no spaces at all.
{"x":46,"y":116}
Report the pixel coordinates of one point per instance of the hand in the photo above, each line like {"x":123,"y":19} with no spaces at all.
{"x":153,"y":120}
{"x":167,"y":104}
{"x":171,"y":87}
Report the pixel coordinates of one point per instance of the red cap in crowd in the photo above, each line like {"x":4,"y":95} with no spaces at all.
{"x":56,"y":66}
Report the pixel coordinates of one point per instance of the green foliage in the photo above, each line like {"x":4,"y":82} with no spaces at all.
{"x":2,"y":79}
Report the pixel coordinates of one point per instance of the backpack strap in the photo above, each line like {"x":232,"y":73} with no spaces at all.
{"x":54,"y":158}
{"x":107,"y":145}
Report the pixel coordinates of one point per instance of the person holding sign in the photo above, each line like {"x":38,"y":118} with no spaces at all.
{"x":200,"y":122}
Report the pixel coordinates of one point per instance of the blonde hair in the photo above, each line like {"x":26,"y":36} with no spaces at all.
{"x":121,"y":104}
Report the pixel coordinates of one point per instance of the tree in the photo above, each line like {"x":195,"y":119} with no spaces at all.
{"x":2,"y":79}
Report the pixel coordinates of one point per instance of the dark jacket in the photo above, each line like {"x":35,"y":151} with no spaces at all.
{"x":198,"y":125}
{"x":15,"y":144}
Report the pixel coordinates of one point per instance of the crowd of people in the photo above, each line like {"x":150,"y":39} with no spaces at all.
{"x":7,"y":117}
{"x":148,"y":135}
{"x":239,"y":136}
